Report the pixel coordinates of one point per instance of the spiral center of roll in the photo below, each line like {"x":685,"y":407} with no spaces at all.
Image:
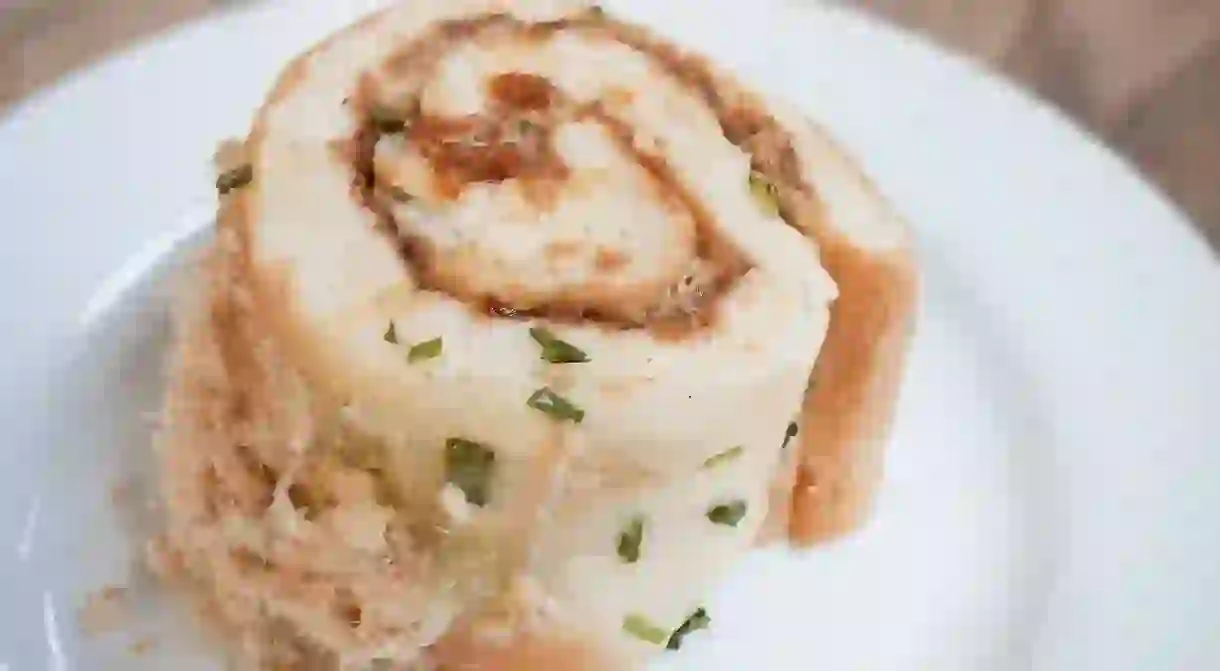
{"x":514,"y":181}
{"x":533,"y":202}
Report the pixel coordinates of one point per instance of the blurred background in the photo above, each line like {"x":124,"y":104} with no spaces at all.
{"x":1144,"y":75}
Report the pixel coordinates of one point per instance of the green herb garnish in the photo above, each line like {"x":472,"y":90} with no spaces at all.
{"x":235,"y":178}
{"x":391,"y":336}
{"x":724,"y":457}
{"x":559,"y":408}
{"x":399,"y":194}
{"x":387,"y":121}
{"x":429,"y":349}
{"x":793,"y":429}
{"x":728,"y":514}
{"x":525,"y":126}
{"x":630,"y":539}
{"x":555,"y":350}
{"x":468,"y":466}
{"x":765,"y":193}
{"x":639,"y":627}
{"x":698,"y":620}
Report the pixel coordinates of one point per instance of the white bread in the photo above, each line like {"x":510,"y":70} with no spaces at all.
{"x":311,"y":283}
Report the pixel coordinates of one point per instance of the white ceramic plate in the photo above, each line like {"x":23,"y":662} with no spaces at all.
{"x":1052,"y":498}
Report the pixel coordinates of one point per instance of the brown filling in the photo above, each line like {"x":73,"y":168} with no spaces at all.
{"x":494,"y":148}
{"x":513,"y":140}
{"x":521,"y":91}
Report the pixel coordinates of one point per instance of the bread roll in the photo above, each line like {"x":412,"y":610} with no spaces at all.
{"x":503,"y":352}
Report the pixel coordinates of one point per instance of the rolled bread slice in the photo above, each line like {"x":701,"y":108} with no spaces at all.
{"x":550,"y":287}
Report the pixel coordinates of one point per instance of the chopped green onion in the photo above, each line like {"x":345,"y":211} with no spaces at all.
{"x":235,"y":178}
{"x":724,"y":457}
{"x":559,"y":408}
{"x":629,"y":541}
{"x":468,"y":466}
{"x":728,"y":514}
{"x":766,"y":195}
{"x":400,"y":194}
{"x":698,"y":620}
{"x":387,"y":121}
{"x":639,"y":627}
{"x":525,"y":126}
{"x":391,"y":336}
{"x":429,"y":349}
{"x":555,"y":350}
{"x":793,"y":429}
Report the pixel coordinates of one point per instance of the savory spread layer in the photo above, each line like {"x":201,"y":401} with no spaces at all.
{"x":498,"y":355}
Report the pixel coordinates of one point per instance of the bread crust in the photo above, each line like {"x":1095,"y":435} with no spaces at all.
{"x":854,"y":389}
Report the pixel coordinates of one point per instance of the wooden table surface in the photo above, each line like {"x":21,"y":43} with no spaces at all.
{"x":1144,"y":75}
